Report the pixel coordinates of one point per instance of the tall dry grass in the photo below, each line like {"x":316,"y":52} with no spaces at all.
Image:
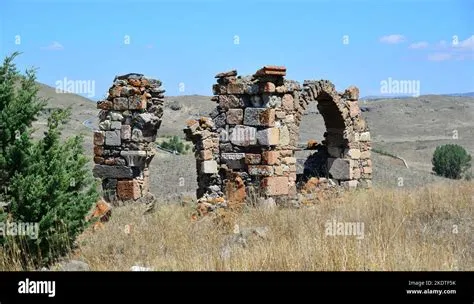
{"x":404,"y":229}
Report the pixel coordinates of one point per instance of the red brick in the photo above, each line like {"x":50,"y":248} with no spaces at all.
{"x":275,"y":185}
{"x":128,"y":190}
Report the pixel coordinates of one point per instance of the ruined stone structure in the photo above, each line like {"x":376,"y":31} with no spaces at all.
{"x":124,"y":144}
{"x":250,"y":139}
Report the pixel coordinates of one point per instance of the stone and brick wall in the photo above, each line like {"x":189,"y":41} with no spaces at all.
{"x":124,"y":144}
{"x":249,"y":140}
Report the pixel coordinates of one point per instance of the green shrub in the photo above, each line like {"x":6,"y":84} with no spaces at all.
{"x":451,"y":161}
{"x":175,"y":144}
{"x":48,"y":182}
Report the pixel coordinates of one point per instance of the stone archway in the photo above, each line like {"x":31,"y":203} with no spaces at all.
{"x":252,"y":135}
{"x":344,"y":154}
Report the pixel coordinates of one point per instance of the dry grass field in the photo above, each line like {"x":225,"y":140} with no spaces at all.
{"x":428,"y":228}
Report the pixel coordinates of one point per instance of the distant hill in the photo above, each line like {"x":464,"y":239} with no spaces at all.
{"x":374,"y":97}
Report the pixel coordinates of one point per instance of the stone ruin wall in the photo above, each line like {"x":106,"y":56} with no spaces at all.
{"x":250,"y":139}
{"x":124,"y":144}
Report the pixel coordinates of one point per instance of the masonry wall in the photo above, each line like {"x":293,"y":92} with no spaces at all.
{"x":124,"y":144}
{"x":249,"y":141}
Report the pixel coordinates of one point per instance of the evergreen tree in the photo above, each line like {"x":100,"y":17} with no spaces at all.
{"x":48,"y":181}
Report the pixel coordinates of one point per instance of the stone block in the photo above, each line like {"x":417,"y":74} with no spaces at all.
{"x":288,"y":102}
{"x":284,"y":139}
{"x":104,"y":171}
{"x":116,"y":125}
{"x":206,"y":154}
{"x":233,"y":160}
{"x":364,"y":136}
{"x":209,"y":167}
{"x":352,"y":184}
{"x":126,"y":132}
{"x":230,"y":101}
{"x":260,"y":170}
{"x":268,"y":137}
{"x":98,"y":150}
{"x":365,"y":155}
{"x":235,"y":116}
{"x":99,"y":138}
{"x":261,"y":117}
{"x":243,"y":136}
{"x":253,"y":159}
{"x":112,"y":138}
{"x":137,"y":102}
{"x":128,"y":190}
{"x":275,"y":185}
{"x":236,"y":88}
{"x":340,"y":168}
{"x":351,"y":93}
{"x":352,"y":153}
{"x":120,"y":104}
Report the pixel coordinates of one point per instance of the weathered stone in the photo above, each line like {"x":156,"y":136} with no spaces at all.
{"x":112,"y":138}
{"x":230,"y":101}
{"x":209,"y":167}
{"x":276,"y":185}
{"x":365,"y":155}
{"x":340,"y":168}
{"x":137,"y":103}
{"x":243,"y":135}
{"x":353,"y":153}
{"x":126,"y":132}
{"x":233,"y":160}
{"x":116,"y":125}
{"x":206,"y":154}
{"x":351,"y":93}
{"x":288,"y":102}
{"x":235,"y":116}
{"x":271,"y":101}
{"x":114,"y":116}
{"x":128,"y":190}
{"x":259,"y":117}
{"x":105,"y":125}
{"x":120,"y":104}
{"x":104,"y":171}
{"x":236,"y":88}
{"x":268,"y":137}
{"x":365,"y":136}
{"x":252,"y":159}
{"x":134,"y":158}
{"x":284,"y":136}
{"x":352,"y":184}
{"x":260,"y":170}
{"x":99,"y":138}
{"x":98,"y":150}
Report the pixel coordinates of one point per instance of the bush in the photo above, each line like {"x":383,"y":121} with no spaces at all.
{"x":48,"y":181}
{"x":175,"y":144}
{"x":451,"y":161}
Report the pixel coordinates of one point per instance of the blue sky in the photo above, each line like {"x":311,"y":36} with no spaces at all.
{"x":350,"y":42}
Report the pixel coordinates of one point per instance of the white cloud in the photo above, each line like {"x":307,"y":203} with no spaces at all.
{"x":467,"y":44}
{"x":439,"y":57}
{"x":55,"y":46}
{"x":419,"y":45}
{"x":392,"y":39}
